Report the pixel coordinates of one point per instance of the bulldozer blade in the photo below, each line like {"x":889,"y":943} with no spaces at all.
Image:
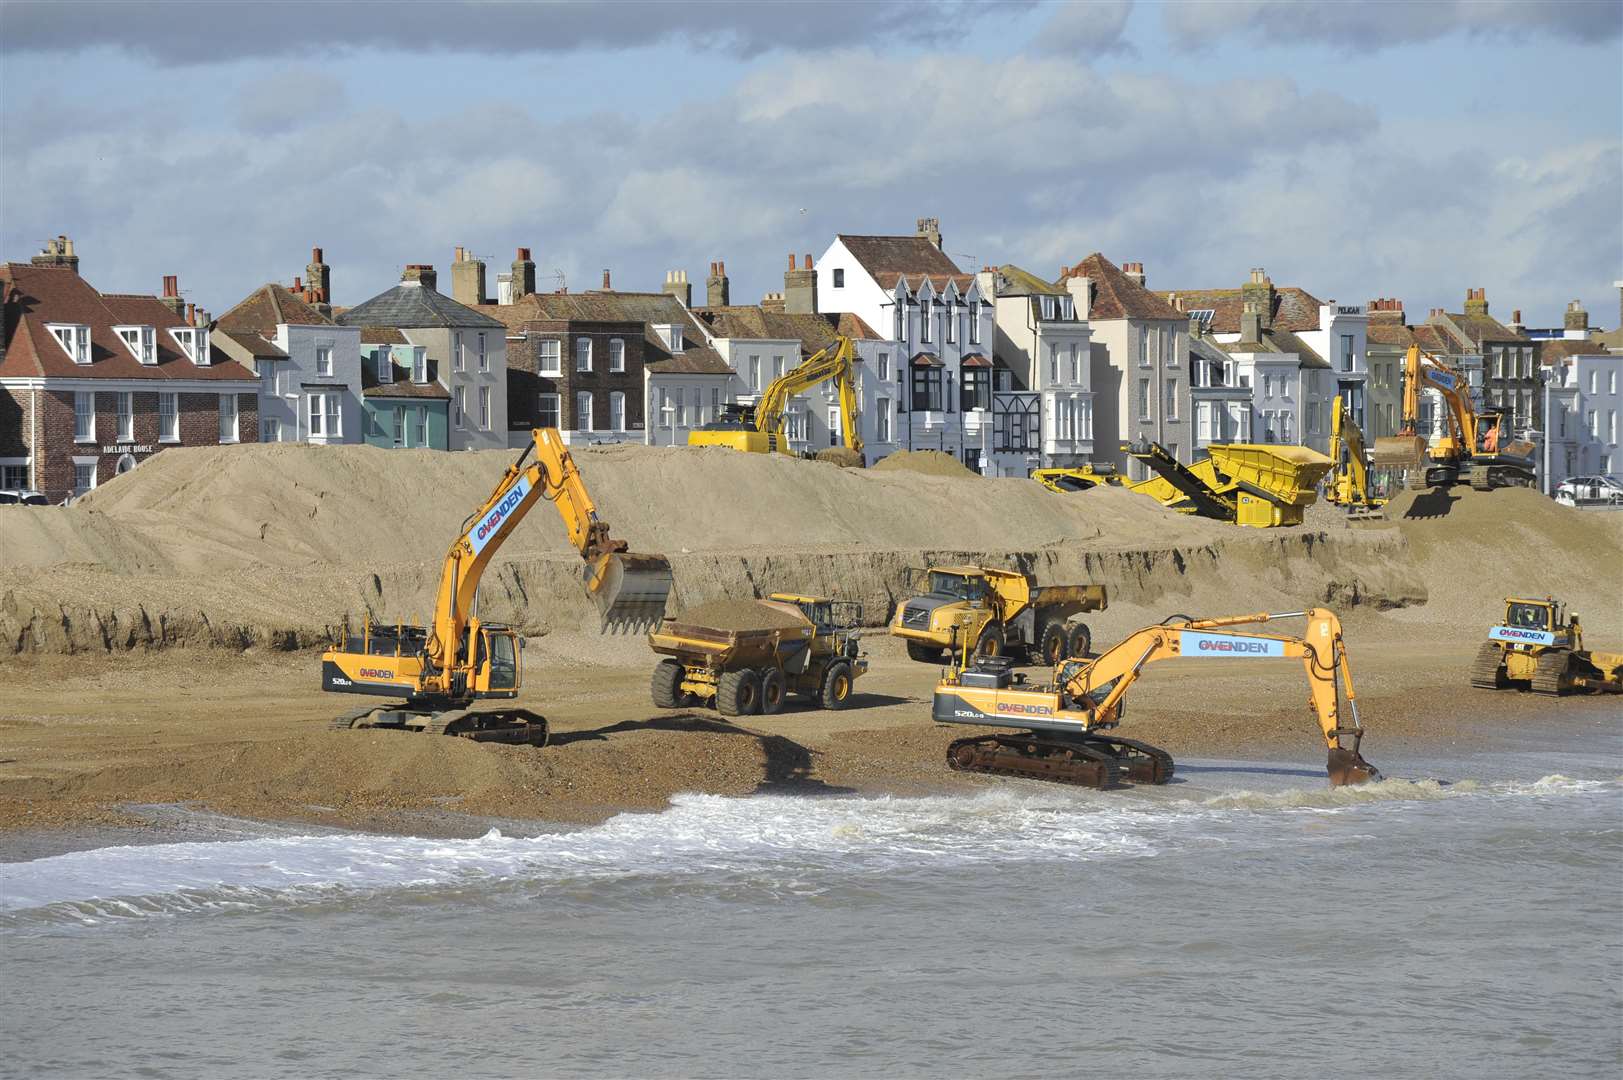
{"x":629,"y":590}
{"x":1402,"y":450}
{"x":1347,"y":767}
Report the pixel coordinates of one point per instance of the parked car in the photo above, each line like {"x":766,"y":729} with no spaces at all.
{"x":1590,"y":491}
{"x":22,"y":497}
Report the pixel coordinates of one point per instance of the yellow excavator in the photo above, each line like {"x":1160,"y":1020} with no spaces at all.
{"x":758,"y":428}
{"x":441,"y":671}
{"x":1348,"y":486}
{"x":1062,"y":723}
{"x":1476,"y":444}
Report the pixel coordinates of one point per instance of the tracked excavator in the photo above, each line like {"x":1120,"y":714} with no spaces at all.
{"x":440,"y":673}
{"x":1062,"y":725}
{"x":1348,"y":486}
{"x":758,"y":428}
{"x":1477,"y":445}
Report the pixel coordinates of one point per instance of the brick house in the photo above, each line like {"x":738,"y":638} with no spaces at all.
{"x":92,"y":384}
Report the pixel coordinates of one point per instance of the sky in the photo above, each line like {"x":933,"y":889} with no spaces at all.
{"x":1356,"y":150}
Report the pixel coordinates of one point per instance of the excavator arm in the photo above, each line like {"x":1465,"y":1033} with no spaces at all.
{"x":1422,"y":370}
{"x":1349,"y":483}
{"x":833,"y":362}
{"x":628,"y":589}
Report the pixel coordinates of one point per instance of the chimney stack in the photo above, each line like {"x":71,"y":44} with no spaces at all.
{"x":58,"y":252}
{"x":523,"y":279}
{"x":677,"y":285}
{"x":423,"y":274}
{"x":467,"y":278}
{"x":171,"y":296}
{"x":1081,"y":290}
{"x":1251,"y":323}
{"x":716,"y":292}
{"x":800,"y":288}
{"x":1134,"y":272}
{"x":1577,"y":319}
{"x":1258,"y":294}
{"x":930,"y":229}
{"x":606,"y":286}
{"x":318,"y":283}
{"x":1476,"y":302}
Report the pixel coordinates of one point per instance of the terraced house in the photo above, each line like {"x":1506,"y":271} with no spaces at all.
{"x":92,"y":383}
{"x":1510,"y":378}
{"x":1046,"y":347}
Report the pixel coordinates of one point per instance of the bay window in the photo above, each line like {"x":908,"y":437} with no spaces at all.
{"x":927,"y":388}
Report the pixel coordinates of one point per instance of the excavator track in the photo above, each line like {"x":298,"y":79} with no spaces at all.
{"x":1551,"y":665}
{"x":350,"y":720}
{"x":1094,"y":761}
{"x":1487,"y":670}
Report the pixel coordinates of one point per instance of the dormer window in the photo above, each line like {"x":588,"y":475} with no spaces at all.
{"x":384,"y":357}
{"x":193,"y":341}
{"x":1066,"y":311}
{"x":142,"y":341}
{"x":74,"y":339}
{"x":1048,"y":309}
{"x":419,"y":364}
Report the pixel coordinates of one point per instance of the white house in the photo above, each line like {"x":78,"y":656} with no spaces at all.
{"x":1046,"y":347}
{"x":1584,"y":402}
{"x":310,"y":393}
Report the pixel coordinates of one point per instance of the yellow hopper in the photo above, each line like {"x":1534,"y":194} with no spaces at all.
{"x":1247,"y":483}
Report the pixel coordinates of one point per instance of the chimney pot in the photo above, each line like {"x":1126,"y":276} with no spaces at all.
{"x":191,"y":314}
{"x":606,"y":285}
{"x":523,"y":253}
{"x":298,"y":286}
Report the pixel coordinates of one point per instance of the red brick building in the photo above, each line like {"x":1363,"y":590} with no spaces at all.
{"x":91,"y":384}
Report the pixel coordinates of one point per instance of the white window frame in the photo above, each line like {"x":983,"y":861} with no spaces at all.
{"x":142,"y":341}
{"x":617,"y":410}
{"x":459,"y":354}
{"x":459,"y":401}
{"x":93,"y":461}
{"x":1172,"y":401}
{"x":419,"y":364}
{"x":541,"y":403}
{"x":324,"y":361}
{"x":420,"y":417}
{"x":680,"y":400}
{"x":483,"y":354}
{"x":327,"y":407}
{"x":270,"y":429}
{"x":883,"y":420}
{"x":975,"y":324}
{"x":483,"y":398}
{"x":617,"y":354}
{"x":549,"y":357}
{"x":79,"y":398}
{"x":755,"y":373}
{"x":235,"y":415}
{"x":383,"y":356}
{"x":401,"y":435}
{"x":1048,"y":308}
{"x":169,"y":433}
{"x":186,"y":338}
{"x":74,"y":339}
{"x":926,"y":315}
{"x":951,"y":316}
{"x":124,"y":411}
{"x":583,"y":356}
{"x":583,"y":409}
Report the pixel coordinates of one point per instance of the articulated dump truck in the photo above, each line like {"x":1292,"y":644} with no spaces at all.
{"x":992,"y":612}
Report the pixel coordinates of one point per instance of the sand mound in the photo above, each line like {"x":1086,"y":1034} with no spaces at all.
{"x":739,"y":615}
{"x":286,"y":544}
{"x":928,"y":462}
{"x":844,"y":457}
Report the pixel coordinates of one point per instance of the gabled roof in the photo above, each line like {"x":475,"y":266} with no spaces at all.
{"x":1294,"y":309}
{"x":1473,"y":330}
{"x":1115,"y":295}
{"x":889,"y":259}
{"x":1554,"y":350}
{"x":1388,"y":328}
{"x":1433,"y":339}
{"x":251,"y":344}
{"x":267,"y":306}
{"x":412,"y":305}
{"x":37,"y":295}
{"x":698,"y":357}
{"x":813,"y":331}
{"x":1278,"y":341}
{"x":1014,"y":281}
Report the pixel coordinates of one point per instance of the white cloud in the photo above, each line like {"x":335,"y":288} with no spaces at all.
{"x":1367,"y":26}
{"x":1084,"y":28}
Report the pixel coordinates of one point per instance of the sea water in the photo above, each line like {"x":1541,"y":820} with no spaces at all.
{"x":1244,"y":921}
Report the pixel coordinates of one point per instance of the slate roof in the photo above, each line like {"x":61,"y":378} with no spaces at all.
{"x":698,"y":357}
{"x":1294,"y":309}
{"x":263,"y":309}
{"x":1278,"y":341}
{"x":1554,"y":350}
{"x":251,"y":343}
{"x":889,"y":259}
{"x":814,"y":331}
{"x":1014,"y":281}
{"x":1433,"y":339}
{"x":1389,"y":331}
{"x":412,"y":305}
{"x":1115,"y":295}
{"x":1207,"y":350}
{"x":1473,"y":330}
{"x":36,"y":295}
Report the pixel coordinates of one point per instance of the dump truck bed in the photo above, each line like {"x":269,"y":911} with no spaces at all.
{"x":1087,"y":597}
{"x":708,"y":646}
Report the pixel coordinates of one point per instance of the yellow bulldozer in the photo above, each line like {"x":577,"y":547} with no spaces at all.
{"x":994,"y":612}
{"x":1061,"y":724}
{"x":758,"y":428}
{"x":1540,"y":646}
{"x":439,"y":673}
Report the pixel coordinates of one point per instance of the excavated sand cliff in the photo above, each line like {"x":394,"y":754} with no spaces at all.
{"x":282,"y":545}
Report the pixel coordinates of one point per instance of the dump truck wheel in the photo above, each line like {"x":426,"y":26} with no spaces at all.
{"x":924,"y":654}
{"x":1080,"y":640}
{"x":1056,"y":644}
{"x":992,"y":642}
{"x":738,"y":693}
{"x":836,"y":685}
{"x":666,"y":686}
{"x":773,"y":690}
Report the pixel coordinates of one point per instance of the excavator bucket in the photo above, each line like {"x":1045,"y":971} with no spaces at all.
{"x":629,"y":590}
{"x":1347,"y":767}
{"x":1403,"y":451}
